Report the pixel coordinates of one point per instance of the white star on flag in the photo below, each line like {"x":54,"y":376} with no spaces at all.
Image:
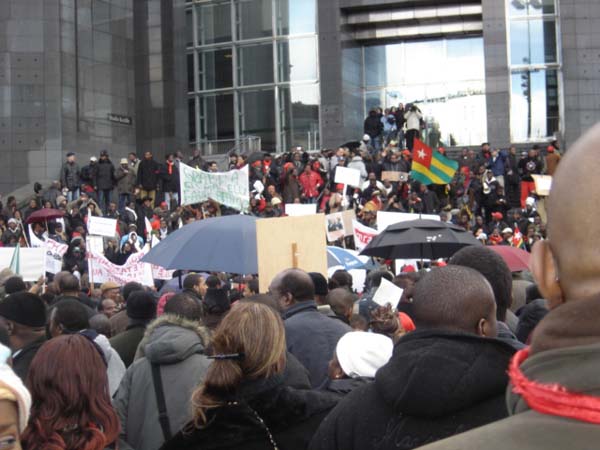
{"x":422,"y":154}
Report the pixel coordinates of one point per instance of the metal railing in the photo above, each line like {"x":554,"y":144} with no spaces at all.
{"x":243,"y":145}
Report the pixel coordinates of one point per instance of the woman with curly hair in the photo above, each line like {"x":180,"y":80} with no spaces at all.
{"x":71,"y":408}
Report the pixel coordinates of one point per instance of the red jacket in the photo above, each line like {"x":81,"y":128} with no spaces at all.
{"x":310,"y":183}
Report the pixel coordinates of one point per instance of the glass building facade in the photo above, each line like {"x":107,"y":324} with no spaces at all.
{"x":534,"y":61}
{"x":444,"y":77}
{"x":253,"y":71}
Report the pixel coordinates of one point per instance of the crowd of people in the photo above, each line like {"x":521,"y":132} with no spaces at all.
{"x":311,"y":365}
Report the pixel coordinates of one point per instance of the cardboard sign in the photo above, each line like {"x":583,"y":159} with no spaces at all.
{"x":385,"y":219}
{"x":348,"y":216}
{"x":543,"y":184}
{"x":102,"y":226}
{"x":362,"y":234}
{"x":299,"y":209}
{"x":334,"y":226}
{"x":287,"y":242}
{"x":394,"y":176}
{"x":228,"y":188}
{"x":388,"y":292}
{"x":347,"y":176}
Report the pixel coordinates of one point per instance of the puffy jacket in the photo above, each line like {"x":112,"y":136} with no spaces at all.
{"x":105,"y":175}
{"x":311,"y":337}
{"x":148,"y":174}
{"x":177,"y":346}
{"x":69,"y":176}
{"x":498,"y":165}
{"x":310,"y":183}
{"x":358,"y":163}
{"x":125,"y":180}
{"x":437,"y":384}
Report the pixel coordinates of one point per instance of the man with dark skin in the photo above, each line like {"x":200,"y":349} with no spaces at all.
{"x":564,"y":355}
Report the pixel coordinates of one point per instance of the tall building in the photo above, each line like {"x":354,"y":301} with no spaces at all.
{"x":222,"y":75}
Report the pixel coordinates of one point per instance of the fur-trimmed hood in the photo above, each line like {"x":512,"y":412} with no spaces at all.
{"x":170,"y":339}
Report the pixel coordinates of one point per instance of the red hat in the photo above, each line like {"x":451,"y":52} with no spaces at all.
{"x":550,"y":149}
{"x":407,"y":268}
{"x":339,"y":187}
{"x":407,"y":324}
{"x":497,"y":215}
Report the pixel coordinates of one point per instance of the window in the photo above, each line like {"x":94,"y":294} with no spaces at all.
{"x":214,"y":23}
{"x":535,"y":69}
{"x":215,"y":69}
{"x":296,"y":17}
{"x":297,"y":59}
{"x":254,"y":19}
{"x":255,"y":64}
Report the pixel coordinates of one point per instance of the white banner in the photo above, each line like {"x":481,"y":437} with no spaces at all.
{"x":228,"y":188}
{"x":347,"y":176}
{"x":102,"y":270}
{"x":102,"y":226}
{"x":362,"y":234}
{"x":299,"y":209}
{"x":35,"y":242}
{"x":385,"y":219}
{"x":31,"y":261}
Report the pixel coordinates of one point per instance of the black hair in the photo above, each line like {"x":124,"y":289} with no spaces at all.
{"x":299,"y":284}
{"x":253,"y":286}
{"x":193,"y":279}
{"x":14,"y":284}
{"x":213,"y":281}
{"x":184,"y":306}
{"x":71,"y":315}
{"x":130,"y":287}
{"x":532,"y":293}
{"x":342,"y":278}
{"x":493,"y":268}
{"x":68,"y":283}
{"x":265,"y":299}
{"x":451,"y":297}
{"x":4,"y":336}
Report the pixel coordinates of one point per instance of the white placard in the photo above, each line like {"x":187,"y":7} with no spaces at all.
{"x":101,"y":226}
{"x":543,"y":184}
{"x":347,"y":176}
{"x":54,"y":255}
{"x":362,"y":234}
{"x":388,"y":292}
{"x":95,"y":244}
{"x":32,"y":261}
{"x":299,"y":209}
{"x":385,"y":219}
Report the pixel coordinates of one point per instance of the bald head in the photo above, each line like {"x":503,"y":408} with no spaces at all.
{"x":567,"y":265}
{"x":455,"y":298}
{"x":291,"y":286}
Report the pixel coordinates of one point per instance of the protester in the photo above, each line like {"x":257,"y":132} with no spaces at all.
{"x":215,"y":302}
{"x":243,"y":402}
{"x":71,"y":406}
{"x":148,"y":177}
{"x":141,"y":310}
{"x":195,"y":287}
{"x":413,"y":400}
{"x":163,"y":380}
{"x":311,"y":337}
{"x":119,"y":322}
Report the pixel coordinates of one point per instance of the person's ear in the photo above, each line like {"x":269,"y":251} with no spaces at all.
{"x":482,"y":328}
{"x":545,"y":273}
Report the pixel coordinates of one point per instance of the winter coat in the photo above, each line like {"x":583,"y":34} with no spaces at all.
{"x":312,"y":337}
{"x":115,"y":368}
{"x":437,"y":384}
{"x":148,"y":174}
{"x":105,"y":175}
{"x":259,"y":411}
{"x":177,"y":345}
{"x":358,"y":163}
{"x":170,"y":181}
{"x":344,"y":386}
{"x":125,"y":180}
{"x":310,"y":184}
{"x":529,"y":166}
{"x":552,"y":160}
{"x":22,"y":360}
{"x":498,"y":165}
{"x":572,"y":366}
{"x":373,"y":126}
{"x":88,"y":174}
{"x":69,"y":176}
{"x":126,"y":343}
{"x":413,"y":120}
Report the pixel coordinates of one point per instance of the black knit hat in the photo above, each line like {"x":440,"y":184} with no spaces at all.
{"x":141,"y":305}
{"x":24,"y":308}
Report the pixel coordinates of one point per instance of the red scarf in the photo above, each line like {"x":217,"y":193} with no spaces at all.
{"x":552,"y":399}
{"x":170,"y":167}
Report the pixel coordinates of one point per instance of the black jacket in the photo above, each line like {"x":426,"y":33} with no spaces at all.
{"x":290,"y":416}
{"x":373,"y":126}
{"x":148,"y":174}
{"x":437,"y":384}
{"x":170,"y":181}
{"x":22,"y":359}
{"x":105,"y":175}
{"x":215,"y":304}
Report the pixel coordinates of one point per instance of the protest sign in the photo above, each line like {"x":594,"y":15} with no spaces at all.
{"x":32,"y":261}
{"x":102,"y":270}
{"x":334,"y":225}
{"x":34,"y":241}
{"x":102,"y":226}
{"x":388,"y":292}
{"x":286,"y":242}
{"x":394,"y":176}
{"x":385,"y":219}
{"x":160,"y":273}
{"x":95,"y":244}
{"x":347,"y":176}
{"x":362,"y":234}
{"x":228,"y":188}
{"x":348,"y":216}
{"x":54,"y":255}
{"x":543,"y":184}
{"x":299,"y":209}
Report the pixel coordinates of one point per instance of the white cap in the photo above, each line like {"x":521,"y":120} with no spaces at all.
{"x":361,"y":354}
{"x":366,"y":137}
{"x":93,"y":158}
{"x":530,"y":201}
{"x":507,"y":230}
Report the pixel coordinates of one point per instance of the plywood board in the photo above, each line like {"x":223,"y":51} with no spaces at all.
{"x":276,"y":240}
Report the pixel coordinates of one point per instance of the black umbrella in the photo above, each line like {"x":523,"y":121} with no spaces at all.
{"x":419,"y":239}
{"x":351,"y":145}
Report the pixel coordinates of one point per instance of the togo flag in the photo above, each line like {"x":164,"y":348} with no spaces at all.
{"x":431,"y":167}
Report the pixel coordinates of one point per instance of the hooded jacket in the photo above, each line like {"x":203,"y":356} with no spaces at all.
{"x":177,"y":345}
{"x":565,"y":350}
{"x":437,"y":384}
{"x":259,"y":411}
{"x":115,"y":368}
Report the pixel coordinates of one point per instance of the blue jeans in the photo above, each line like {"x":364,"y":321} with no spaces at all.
{"x":72,"y":195}
{"x":377,"y":143}
{"x":124,"y":200}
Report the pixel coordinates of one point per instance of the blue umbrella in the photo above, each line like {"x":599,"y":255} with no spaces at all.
{"x":337,"y":256}
{"x":219,"y":244}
